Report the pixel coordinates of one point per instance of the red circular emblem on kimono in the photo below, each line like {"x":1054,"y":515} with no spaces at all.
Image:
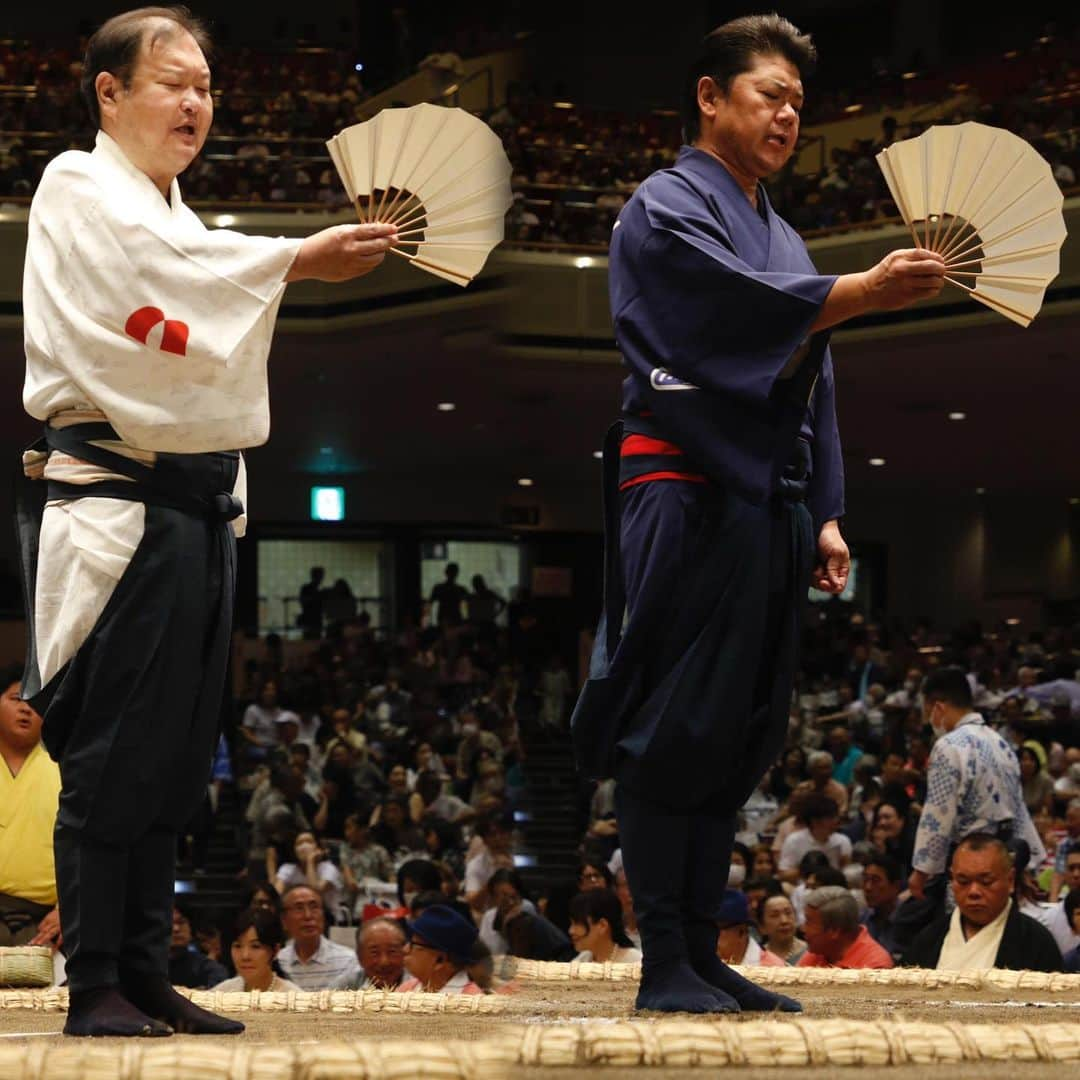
{"x":174,"y":334}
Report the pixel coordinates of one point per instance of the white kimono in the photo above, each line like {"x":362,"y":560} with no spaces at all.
{"x":134,"y":310}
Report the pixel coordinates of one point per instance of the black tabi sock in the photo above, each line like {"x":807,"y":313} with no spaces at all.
{"x":103,"y":1010}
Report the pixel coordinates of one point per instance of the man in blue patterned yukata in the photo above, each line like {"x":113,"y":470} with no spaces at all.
{"x":723,"y":490}
{"x":972,"y":782}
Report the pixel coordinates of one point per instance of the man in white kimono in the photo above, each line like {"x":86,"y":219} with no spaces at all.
{"x":146,"y":347}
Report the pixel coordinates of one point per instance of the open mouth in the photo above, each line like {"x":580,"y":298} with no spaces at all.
{"x":777,"y":140}
{"x":187,"y":129}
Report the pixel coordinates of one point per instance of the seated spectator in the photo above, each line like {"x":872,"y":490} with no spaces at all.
{"x":845,"y":755}
{"x":834,"y":936}
{"x":309,"y":959}
{"x":892,"y":832}
{"x":1068,"y":843}
{"x":259,"y":938}
{"x":1034,"y":779}
{"x":763,"y":863}
{"x":882,"y":882}
{"x":594,"y":875}
{"x":820,"y":766}
{"x":493,"y":853}
{"x":429,"y":800}
{"x":380,"y":948}
{"x":819,"y":813}
{"x":274,"y":811}
{"x":596,"y":928}
{"x":734,"y":945}
{"x":440,"y":949}
{"x":29,"y":792}
{"x":507,"y":895}
{"x":442,"y":842}
{"x":392,"y":828}
{"x":1054,"y":916}
{"x":777,"y":926}
{"x":312,"y":867}
{"x":417,"y":876}
{"x":811,"y":863}
{"x":187,"y":965}
{"x":986,"y":929}
{"x":361,"y":857}
{"x":1072,"y":911}
{"x":739,"y":866}
{"x":263,"y":897}
{"x":513,"y":926}
{"x":258,"y":729}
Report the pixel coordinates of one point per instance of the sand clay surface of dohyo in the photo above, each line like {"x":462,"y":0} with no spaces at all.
{"x":1023,"y":1027}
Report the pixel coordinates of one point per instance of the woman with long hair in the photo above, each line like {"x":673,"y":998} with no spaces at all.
{"x":258,"y":938}
{"x":596,"y":928}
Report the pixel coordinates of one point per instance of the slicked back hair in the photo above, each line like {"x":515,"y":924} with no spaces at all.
{"x":117,"y":43}
{"x":731,"y":49}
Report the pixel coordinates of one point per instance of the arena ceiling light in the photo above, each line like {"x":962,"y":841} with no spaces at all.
{"x":877,"y":462}
{"x":583,"y":262}
{"x":525,"y":481}
{"x":958,"y":416}
{"x":446,"y":406}
{"x":598,"y":454}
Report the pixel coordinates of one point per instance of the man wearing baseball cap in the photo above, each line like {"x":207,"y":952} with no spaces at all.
{"x":439,"y":950}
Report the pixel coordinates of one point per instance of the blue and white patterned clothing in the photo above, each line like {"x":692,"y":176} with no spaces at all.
{"x":972,"y":785}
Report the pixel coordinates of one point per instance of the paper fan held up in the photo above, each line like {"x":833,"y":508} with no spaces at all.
{"x":987,"y":201}
{"x":440,"y":175}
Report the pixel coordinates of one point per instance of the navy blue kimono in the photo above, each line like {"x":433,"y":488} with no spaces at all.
{"x":712,"y":301}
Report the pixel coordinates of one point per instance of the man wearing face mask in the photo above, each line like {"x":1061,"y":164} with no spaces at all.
{"x":972,"y":783}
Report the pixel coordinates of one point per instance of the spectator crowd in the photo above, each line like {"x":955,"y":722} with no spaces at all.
{"x":925,"y":810}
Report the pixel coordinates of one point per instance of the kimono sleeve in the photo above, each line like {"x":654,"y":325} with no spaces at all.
{"x":825,"y":499}
{"x":700,"y":311}
{"x":131,"y":273}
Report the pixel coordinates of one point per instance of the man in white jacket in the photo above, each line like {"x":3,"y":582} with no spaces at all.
{"x":146,"y":347}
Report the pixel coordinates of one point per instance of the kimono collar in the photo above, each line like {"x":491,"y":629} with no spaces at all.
{"x":969,"y":718}
{"x":107,"y":148}
{"x":713,"y":171}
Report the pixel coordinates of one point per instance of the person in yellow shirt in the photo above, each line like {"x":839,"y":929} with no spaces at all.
{"x":29,"y":791}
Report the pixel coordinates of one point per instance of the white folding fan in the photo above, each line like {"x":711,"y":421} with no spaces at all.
{"x":440,"y":175}
{"x":987,"y":201}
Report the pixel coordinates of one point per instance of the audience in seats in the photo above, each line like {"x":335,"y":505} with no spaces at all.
{"x":310,"y":959}
{"x":257,"y":941}
{"x":440,"y":949}
{"x":596,"y":928}
{"x":380,"y":948}
{"x":734,"y":942}
{"x":29,"y":792}
{"x":986,"y":928}
{"x":834,"y":935}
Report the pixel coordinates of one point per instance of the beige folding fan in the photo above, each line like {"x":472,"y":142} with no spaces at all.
{"x":988,"y":202}
{"x":440,"y":175}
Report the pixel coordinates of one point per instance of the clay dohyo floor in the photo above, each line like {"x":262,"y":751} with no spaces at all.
{"x":578,"y":1001}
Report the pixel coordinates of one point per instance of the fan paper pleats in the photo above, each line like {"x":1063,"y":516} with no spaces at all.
{"x":440,"y":175}
{"x":987,"y":201}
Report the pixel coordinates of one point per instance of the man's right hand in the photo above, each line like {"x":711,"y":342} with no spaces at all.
{"x":903,"y":277}
{"x":342,"y":252}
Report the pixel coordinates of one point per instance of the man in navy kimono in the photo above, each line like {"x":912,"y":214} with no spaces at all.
{"x":723,"y":494}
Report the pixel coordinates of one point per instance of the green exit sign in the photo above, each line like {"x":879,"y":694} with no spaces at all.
{"x":327,"y":504}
